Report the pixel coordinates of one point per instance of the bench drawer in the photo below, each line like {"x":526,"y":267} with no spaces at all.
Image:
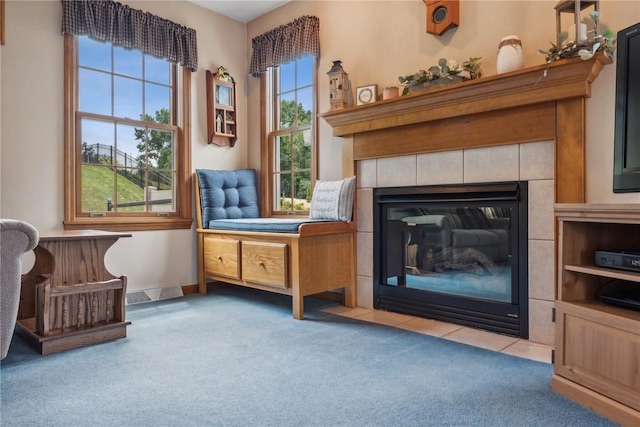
{"x":265,"y":263}
{"x":221,"y":257}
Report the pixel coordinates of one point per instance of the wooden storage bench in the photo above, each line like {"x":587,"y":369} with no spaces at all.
{"x":296,"y":257}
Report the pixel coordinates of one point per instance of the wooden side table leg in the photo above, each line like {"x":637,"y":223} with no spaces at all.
{"x":43,"y":308}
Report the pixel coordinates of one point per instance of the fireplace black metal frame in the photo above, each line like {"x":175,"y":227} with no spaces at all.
{"x":506,"y":318}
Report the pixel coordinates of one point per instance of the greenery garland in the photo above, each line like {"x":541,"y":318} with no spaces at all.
{"x":446,"y":69}
{"x":605,"y":42}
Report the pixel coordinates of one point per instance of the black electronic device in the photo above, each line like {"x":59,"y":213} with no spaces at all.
{"x":626,"y":168}
{"x":621,"y":294}
{"x":623,"y":260}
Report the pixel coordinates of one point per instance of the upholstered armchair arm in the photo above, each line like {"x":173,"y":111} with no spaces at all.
{"x":16,"y":238}
{"x":15,"y":241}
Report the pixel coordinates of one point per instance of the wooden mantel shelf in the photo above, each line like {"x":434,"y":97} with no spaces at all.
{"x":565,"y":79}
{"x":511,"y":108}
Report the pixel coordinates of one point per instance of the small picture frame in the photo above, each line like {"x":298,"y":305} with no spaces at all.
{"x":223,"y":95}
{"x":366,"y":94}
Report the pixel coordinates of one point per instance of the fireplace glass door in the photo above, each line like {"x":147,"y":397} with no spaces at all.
{"x":454,"y":253}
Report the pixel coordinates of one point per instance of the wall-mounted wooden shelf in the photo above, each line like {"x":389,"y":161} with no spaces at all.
{"x":221,"y":111}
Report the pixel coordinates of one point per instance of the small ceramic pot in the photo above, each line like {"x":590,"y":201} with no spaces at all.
{"x":390,"y":92}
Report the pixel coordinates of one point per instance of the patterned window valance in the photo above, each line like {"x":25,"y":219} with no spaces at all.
{"x":113,"y":22}
{"x":284,"y":44}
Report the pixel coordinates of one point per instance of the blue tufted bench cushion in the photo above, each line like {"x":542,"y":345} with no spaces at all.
{"x":227,"y":194}
{"x":229,"y":201}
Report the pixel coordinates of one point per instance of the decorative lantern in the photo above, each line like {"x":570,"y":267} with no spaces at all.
{"x":577,"y":31}
{"x":339,"y":87}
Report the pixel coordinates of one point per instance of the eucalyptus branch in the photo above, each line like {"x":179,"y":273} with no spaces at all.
{"x":605,"y":42}
{"x":446,"y":69}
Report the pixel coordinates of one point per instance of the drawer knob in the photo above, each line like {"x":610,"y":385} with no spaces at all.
{"x":220,"y":258}
{"x":261,"y":264}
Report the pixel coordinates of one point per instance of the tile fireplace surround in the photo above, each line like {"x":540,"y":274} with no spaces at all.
{"x":510,"y":127}
{"x":531,"y":162}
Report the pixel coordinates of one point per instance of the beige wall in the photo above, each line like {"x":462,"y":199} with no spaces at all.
{"x":32,"y":148}
{"x":379,"y":40}
{"x":376,"y":40}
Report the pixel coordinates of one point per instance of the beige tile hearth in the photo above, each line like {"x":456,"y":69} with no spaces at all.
{"x":474,"y":337}
{"x":530,"y":350}
{"x":431,"y":327}
{"x":385,"y":317}
{"x":483,"y":339}
{"x":341,"y":310}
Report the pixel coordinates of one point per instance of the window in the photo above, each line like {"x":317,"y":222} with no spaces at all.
{"x":126,"y":139}
{"x":290,"y":93}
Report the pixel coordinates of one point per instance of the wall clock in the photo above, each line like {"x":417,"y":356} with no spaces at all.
{"x":442,"y":15}
{"x":366,"y":94}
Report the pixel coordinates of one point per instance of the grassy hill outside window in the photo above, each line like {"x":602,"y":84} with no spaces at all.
{"x":285,"y":59}
{"x":127,"y":118}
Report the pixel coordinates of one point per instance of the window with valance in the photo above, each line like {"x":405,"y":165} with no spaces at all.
{"x":127,"y":117}
{"x":285,"y":44}
{"x":113,"y":22}
{"x":286,"y":59}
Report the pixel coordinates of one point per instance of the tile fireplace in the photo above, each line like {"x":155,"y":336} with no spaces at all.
{"x":514,"y":126}
{"x":456,"y":253}
{"x":532,"y":163}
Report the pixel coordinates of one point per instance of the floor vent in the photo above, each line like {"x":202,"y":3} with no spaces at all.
{"x":155,"y":294}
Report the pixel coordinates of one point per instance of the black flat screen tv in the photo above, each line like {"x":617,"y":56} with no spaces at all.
{"x":626,"y":164}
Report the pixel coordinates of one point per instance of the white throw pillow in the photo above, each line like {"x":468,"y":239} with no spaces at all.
{"x":333,"y":200}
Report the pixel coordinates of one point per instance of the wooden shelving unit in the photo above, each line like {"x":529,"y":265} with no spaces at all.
{"x":221,"y":111}
{"x":597,"y":346}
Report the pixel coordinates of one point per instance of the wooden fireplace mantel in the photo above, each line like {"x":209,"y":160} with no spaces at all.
{"x":516,"y":107}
